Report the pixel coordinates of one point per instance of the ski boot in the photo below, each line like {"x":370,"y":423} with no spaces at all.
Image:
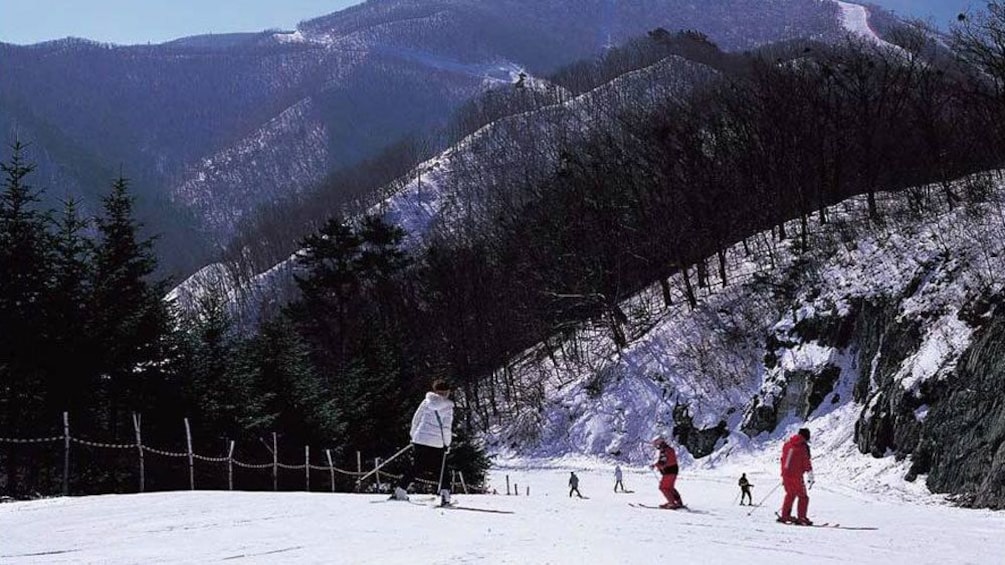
{"x":445,"y":498}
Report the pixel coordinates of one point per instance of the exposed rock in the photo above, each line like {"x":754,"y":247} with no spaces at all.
{"x":698,"y":442}
{"x":962,"y":446}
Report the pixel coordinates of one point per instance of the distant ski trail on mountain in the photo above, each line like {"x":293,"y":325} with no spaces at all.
{"x":855,"y":19}
{"x":605,"y":38}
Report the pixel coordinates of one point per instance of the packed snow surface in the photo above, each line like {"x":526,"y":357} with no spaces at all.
{"x":546,"y":527}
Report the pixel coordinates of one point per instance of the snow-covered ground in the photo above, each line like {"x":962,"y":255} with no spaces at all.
{"x":545,"y":527}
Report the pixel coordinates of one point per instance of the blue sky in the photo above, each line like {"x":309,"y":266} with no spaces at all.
{"x":942,"y":12}
{"x":154,"y":21}
{"x":143,"y":21}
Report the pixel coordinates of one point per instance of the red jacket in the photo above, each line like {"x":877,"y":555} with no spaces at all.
{"x":796,"y":457}
{"x":667,"y":462}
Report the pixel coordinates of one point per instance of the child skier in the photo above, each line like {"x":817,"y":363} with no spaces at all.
{"x":745,"y":490}
{"x":666,"y":464}
{"x":574,"y":485}
{"x":617,"y":479}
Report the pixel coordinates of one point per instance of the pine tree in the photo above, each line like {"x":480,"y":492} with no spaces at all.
{"x":71,"y":364}
{"x":220,"y":378}
{"x":130,"y":318}
{"x":25,"y":261}
{"x":295,"y":398}
{"x":331,"y":262}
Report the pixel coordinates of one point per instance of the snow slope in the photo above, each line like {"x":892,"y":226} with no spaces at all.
{"x":546,"y":527}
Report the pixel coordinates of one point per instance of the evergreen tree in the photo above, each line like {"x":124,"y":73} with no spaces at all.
{"x":296,"y":402}
{"x":25,"y":260}
{"x":130,"y":318}
{"x":330,"y":259}
{"x":72,"y":363}
{"x":220,"y":381}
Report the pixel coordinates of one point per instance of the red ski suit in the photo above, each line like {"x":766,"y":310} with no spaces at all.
{"x":667,"y":466}
{"x":795,"y":462}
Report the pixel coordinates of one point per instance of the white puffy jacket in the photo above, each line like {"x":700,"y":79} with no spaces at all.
{"x":426,"y":428}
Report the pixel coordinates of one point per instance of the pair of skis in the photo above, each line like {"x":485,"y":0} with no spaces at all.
{"x":821,"y":525}
{"x":824,"y":525}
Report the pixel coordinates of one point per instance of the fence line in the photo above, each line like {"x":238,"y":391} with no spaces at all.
{"x":141,"y":449}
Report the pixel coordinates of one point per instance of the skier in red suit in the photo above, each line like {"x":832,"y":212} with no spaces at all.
{"x":796,"y":462}
{"x":666,"y":464}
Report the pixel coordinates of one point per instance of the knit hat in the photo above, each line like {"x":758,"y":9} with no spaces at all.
{"x":805,"y":432}
{"x":440,"y":385}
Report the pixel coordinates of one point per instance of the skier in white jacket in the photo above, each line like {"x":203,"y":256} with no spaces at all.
{"x":431,"y":438}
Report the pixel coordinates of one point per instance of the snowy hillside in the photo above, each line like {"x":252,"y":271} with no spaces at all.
{"x":793,"y":338}
{"x":546,"y":527}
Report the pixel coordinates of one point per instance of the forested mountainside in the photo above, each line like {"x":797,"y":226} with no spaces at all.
{"x":212,"y":127}
{"x":512,"y":260}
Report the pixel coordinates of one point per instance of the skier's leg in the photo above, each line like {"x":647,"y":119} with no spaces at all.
{"x":666,"y":487}
{"x":790,"y":496}
{"x":804,"y":501}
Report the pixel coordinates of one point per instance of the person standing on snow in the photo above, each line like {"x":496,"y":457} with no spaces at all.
{"x":745,"y":490}
{"x":574,"y":485}
{"x":431,"y":438}
{"x":617,"y":479}
{"x":796,"y":462}
{"x":666,"y":464}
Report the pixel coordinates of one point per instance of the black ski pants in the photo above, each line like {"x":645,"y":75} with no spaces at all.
{"x":426,"y":464}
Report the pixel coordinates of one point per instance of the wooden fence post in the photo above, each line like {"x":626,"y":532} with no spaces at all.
{"x":307,"y":467}
{"x":376,"y":470}
{"x":230,"y":466}
{"x":139,"y":446}
{"x":191,"y":459}
{"x":507,"y":485}
{"x":331,"y":467}
{"x":66,"y":453}
{"x":275,"y":464}
{"x":359,"y":463}
{"x":463,"y":484}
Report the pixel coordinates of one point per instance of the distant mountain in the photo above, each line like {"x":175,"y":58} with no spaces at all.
{"x":212,"y":127}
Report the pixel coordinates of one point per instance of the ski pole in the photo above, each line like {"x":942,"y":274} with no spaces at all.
{"x":381,"y":466}
{"x":443,"y":465}
{"x":758,"y":505}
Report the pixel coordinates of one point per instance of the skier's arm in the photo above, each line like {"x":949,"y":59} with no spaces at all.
{"x":417,"y":419}
{"x":448,"y":426}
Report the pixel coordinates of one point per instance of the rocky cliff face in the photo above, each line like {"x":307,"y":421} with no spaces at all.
{"x":929,"y":377}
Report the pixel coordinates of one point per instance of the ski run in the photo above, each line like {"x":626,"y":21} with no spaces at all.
{"x":546,"y":527}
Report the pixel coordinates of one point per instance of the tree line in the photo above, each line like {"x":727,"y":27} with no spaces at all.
{"x":86,"y":329}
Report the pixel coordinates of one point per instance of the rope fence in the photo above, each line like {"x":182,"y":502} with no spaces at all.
{"x":380,"y":477}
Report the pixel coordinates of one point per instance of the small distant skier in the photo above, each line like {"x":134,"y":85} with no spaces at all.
{"x":574,"y":485}
{"x":617,"y":479}
{"x":666,"y":464}
{"x":431,"y":437}
{"x":745,"y":490}
{"x":796,"y":462}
